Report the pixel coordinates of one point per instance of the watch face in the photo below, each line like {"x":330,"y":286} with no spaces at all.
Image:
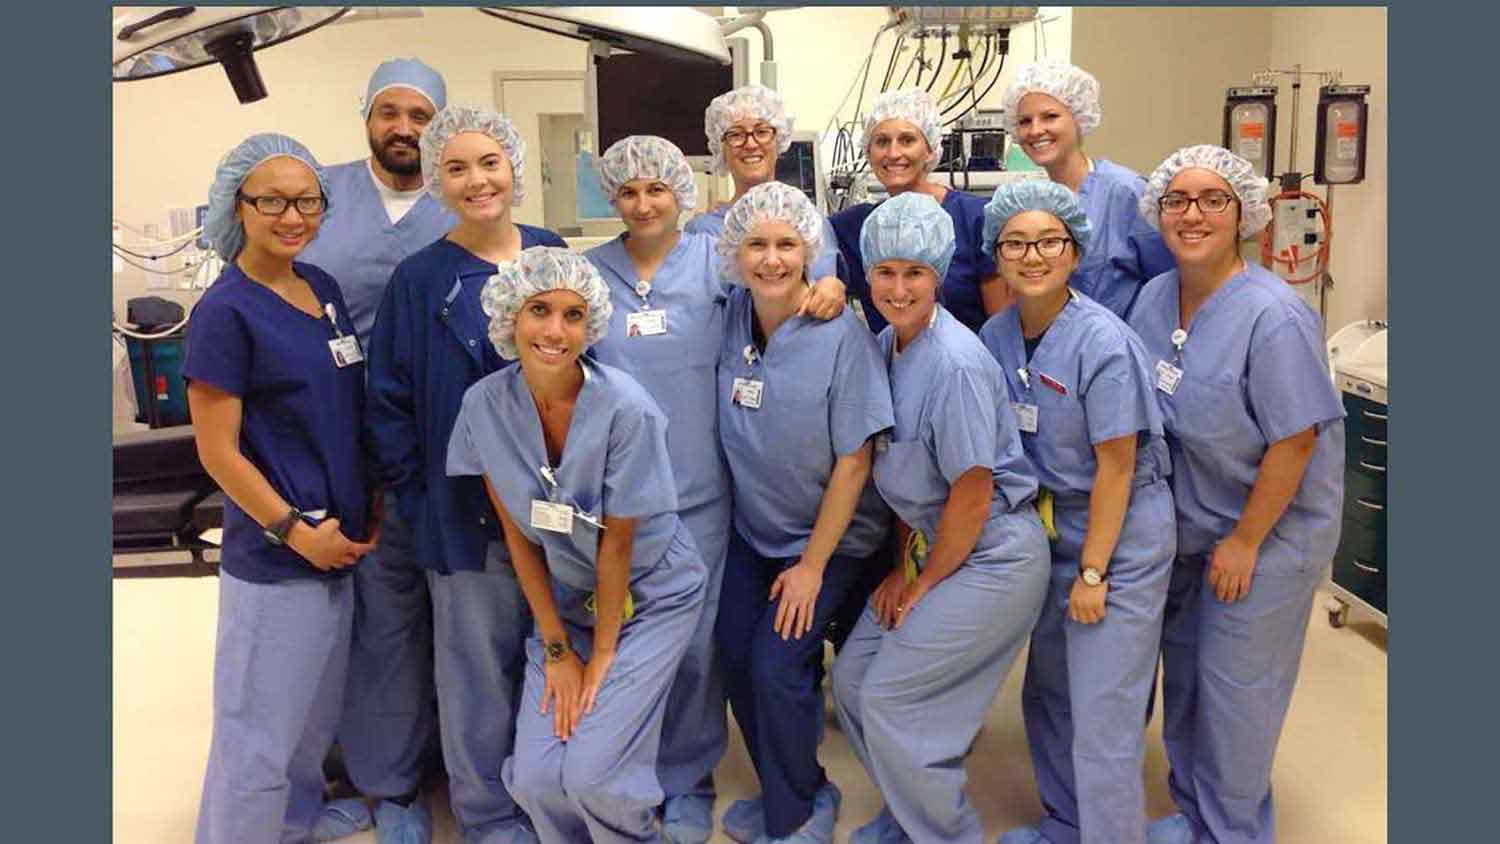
{"x":555,"y":651}
{"x":1091,"y":577}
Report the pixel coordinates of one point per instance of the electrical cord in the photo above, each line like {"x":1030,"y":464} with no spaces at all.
{"x":1319,"y":258}
{"x":185,"y":244}
{"x":178,"y":271}
{"x":998,"y":70}
{"x":942,"y":57}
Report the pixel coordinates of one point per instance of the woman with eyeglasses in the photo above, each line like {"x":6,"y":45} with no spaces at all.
{"x":426,"y":349}
{"x":1081,"y":388}
{"x":902,"y":138}
{"x":748,"y":129}
{"x":1049,"y":108}
{"x":1256,"y":434}
{"x":276,"y":387}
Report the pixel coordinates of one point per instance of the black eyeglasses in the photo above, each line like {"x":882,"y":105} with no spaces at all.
{"x":738,"y":137}
{"x":1208,"y":202}
{"x":275,"y":206}
{"x":1047,"y":247}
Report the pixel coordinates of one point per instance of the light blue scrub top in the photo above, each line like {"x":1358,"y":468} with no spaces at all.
{"x":824,"y":393}
{"x":613,"y":464}
{"x":824,"y":264}
{"x":1124,"y":250}
{"x":1090,"y":382}
{"x":676,"y":368}
{"x":1254,"y":372}
{"x":359,"y":245}
{"x":952,"y":414}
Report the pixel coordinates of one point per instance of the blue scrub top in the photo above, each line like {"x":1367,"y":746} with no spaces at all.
{"x":614,"y":464}
{"x":1124,"y":250}
{"x":676,"y":368}
{"x":970,"y":266}
{"x":824,"y":264}
{"x":952,"y":414}
{"x":824,"y":393}
{"x":300,"y":412}
{"x":1254,"y":372}
{"x":359,"y":245}
{"x":1090,"y":382}
{"x":429,"y":345}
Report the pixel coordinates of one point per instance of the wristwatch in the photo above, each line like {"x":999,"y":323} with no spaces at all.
{"x":556,"y":650}
{"x":1090,"y":575}
{"x":276,"y":532}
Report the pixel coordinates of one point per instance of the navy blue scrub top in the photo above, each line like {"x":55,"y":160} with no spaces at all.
{"x":429,"y":345}
{"x":970,"y":265}
{"x":301,"y":413}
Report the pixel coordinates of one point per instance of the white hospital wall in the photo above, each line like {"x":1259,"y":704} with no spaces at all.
{"x":1352,"y":41}
{"x":1162,"y":74}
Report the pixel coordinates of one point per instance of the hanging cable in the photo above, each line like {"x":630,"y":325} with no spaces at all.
{"x":909,"y":65}
{"x":999,"y":70}
{"x":1291,"y":257}
{"x":984,"y":67}
{"x":890,"y":69}
{"x":942,"y":57}
{"x":185,"y":244}
{"x":178,"y":271}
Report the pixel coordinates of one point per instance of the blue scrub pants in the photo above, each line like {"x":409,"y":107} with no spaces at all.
{"x":775,"y":684}
{"x":601,"y":785}
{"x":1084,"y":701}
{"x":1229,"y":671}
{"x":389,"y":721}
{"x":280,"y":663}
{"x":911,"y":700}
{"x":696,"y":732}
{"x":480,"y":625}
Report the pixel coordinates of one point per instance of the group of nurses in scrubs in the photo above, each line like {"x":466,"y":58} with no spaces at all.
{"x":427,"y":348}
{"x":573,"y":456}
{"x":1080,"y":384}
{"x":799,"y":403}
{"x":694,"y":408}
{"x":276,"y":385}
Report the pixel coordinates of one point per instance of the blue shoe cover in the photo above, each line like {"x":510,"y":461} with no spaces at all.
{"x":1022,"y":835}
{"x":882,"y":830}
{"x":687,"y":819}
{"x":341,"y":819}
{"x":819,"y":828}
{"x":745,"y":820}
{"x":1172,"y":829}
{"x":397,"y":824}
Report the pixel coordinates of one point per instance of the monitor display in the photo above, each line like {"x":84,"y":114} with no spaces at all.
{"x":798,"y":168}
{"x":648,"y":95}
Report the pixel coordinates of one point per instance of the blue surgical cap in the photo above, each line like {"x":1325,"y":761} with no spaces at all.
{"x":221,"y":228}
{"x":648,"y":157}
{"x":538,"y":270}
{"x":405,"y":73}
{"x":1035,"y":195}
{"x":910,"y":226}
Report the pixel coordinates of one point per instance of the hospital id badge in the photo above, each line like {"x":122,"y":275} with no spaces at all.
{"x":549,"y":515}
{"x":746,"y":393}
{"x":346,"y":351}
{"x":1025,"y":416}
{"x":646,"y":323}
{"x":1167,"y":377}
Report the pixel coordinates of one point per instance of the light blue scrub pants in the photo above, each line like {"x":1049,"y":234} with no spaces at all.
{"x":389,"y":720}
{"x":280,"y":663}
{"x":911,"y":700}
{"x":601,"y":785}
{"x":480,"y":625}
{"x":1084,"y":700}
{"x":1228,"y":675}
{"x":696,"y":731}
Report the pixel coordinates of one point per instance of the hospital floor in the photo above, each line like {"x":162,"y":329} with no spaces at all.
{"x":1329,"y":781}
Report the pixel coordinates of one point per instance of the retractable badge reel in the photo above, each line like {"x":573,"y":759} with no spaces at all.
{"x":1025,"y":411}
{"x":746,"y":392}
{"x":1167,"y":375}
{"x":646,"y":321}
{"x":345,"y":347}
